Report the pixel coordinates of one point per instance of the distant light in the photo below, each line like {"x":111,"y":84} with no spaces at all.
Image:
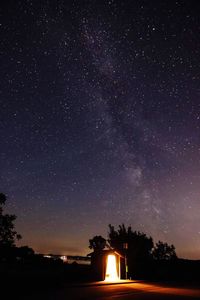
{"x":64,"y":258}
{"x":47,"y":256}
{"x":111,"y":269}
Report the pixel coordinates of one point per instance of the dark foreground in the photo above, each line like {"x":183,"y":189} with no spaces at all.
{"x":137,"y":290}
{"x":53,"y":280}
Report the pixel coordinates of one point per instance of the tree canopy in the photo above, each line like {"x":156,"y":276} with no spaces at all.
{"x":97,"y":243}
{"x":163,"y":251}
{"x":138,"y":244}
{"x":135,"y":244}
{"x":8,"y":234}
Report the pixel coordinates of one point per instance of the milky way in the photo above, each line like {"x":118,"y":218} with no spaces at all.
{"x":100,"y":121}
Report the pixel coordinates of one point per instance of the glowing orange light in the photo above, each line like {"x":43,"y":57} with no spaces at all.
{"x":111,"y":269}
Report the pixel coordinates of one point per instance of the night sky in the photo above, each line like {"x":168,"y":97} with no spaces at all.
{"x":100,"y":120}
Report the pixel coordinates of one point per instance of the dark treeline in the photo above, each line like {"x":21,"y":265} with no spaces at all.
{"x":146,"y":260}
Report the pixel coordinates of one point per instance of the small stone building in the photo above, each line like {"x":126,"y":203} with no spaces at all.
{"x":106,"y":265}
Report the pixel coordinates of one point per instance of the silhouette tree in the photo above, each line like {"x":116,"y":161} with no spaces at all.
{"x":8,"y":235}
{"x":135,"y":246}
{"x":25,"y":252}
{"x":97,"y":243}
{"x":138,"y":244}
{"x":163,"y":251}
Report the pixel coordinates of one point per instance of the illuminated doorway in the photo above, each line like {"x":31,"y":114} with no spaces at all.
{"x":112,"y":268}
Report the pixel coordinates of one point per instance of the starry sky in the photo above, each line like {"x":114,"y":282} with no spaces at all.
{"x":100,"y":120}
